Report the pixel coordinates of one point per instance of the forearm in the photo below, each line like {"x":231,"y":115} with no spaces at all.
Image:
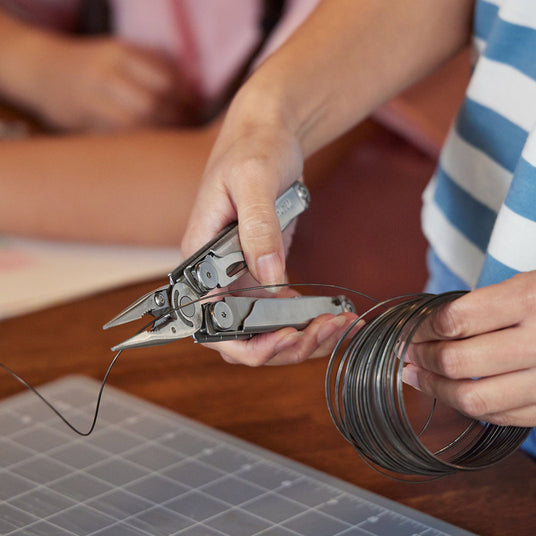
{"x":134,"y":187}
{"x":128,"y":188}
{"x":348,"y":58}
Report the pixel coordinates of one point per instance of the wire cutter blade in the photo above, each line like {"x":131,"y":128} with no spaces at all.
{"x":154,"y":303}
{"x":165,"y":332}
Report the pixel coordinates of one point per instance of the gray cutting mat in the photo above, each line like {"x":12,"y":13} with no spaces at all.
{"x":147,"y":471}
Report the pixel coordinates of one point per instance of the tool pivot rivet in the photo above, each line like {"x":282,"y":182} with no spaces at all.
{"x":222,"y":315}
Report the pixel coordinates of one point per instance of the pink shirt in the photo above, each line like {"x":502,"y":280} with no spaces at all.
{"x":209,"y":39}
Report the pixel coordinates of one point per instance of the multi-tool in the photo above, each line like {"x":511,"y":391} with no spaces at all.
{"x":182,"y":308}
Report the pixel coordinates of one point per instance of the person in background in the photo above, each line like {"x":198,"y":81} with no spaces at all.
{"x":116,"y":64}
{"x":129,"y":96}
{"x":478,"y":352}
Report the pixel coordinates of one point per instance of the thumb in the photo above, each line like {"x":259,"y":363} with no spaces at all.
{"x":260,"y":232}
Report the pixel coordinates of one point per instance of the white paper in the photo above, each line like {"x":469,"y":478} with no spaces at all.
{"x":35,"y":274}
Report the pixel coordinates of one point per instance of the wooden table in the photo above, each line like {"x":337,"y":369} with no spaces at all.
{"x":279,"y":408}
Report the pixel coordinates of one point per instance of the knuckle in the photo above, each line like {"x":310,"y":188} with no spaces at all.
{"x":250,"y":168}
{"x":446,"y":322}
{"x":252,"y":361}
{"x":256,"y":166}
{"x":449,"y":361}
{"x":294,"y":358}
{"x":527,"y":290}
{"x":255,"y":358}
{"x":500,"y":419}
{"x":258,"y":222}
{"x":257,"y":361}
{"x":297,"y":358}
{"x":470,"y":400}
{"x":294,"y":355}
{"x":227,"y":358}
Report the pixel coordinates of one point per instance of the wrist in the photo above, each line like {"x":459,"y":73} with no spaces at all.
{"x":257,"y":105}
{"x":289,"y":97}
{"x":272,"y":102}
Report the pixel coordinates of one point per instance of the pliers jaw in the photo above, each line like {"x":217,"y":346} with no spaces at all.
{"x":155,"y":303}
{"x":177,"y":311}
{"x":166,"y":329}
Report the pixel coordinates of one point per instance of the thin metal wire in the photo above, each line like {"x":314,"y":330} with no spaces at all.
{"x":56,"y":410}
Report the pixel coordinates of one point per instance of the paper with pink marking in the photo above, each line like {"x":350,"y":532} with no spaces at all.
{"x":35,"y":274}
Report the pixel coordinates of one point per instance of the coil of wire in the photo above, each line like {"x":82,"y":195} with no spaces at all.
{"x":364,"y":393}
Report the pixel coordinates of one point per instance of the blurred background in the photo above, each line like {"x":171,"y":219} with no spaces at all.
{"x":123,"y":106}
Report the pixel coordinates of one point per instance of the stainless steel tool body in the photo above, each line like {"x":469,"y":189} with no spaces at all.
{"x":181,"y":309}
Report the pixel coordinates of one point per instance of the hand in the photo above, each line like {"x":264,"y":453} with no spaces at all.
{"x":250,"y":166}
{"x":478,"y":353}
{"x":100,"y":84}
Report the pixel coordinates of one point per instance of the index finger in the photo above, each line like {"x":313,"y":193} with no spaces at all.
{"x":480,"y":311}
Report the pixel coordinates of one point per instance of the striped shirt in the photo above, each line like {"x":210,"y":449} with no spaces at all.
{"x":479,"y":211}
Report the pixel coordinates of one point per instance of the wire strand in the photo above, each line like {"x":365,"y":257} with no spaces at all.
{"x":56,"y":410}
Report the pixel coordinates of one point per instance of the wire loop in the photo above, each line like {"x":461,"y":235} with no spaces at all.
{"x":364,"y":393}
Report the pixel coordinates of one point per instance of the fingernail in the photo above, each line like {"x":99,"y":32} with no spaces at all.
{"x":329,"y":328}
{"x":269,"y":270}
{"x":409,"y":376}
{"x":288,"y":341}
